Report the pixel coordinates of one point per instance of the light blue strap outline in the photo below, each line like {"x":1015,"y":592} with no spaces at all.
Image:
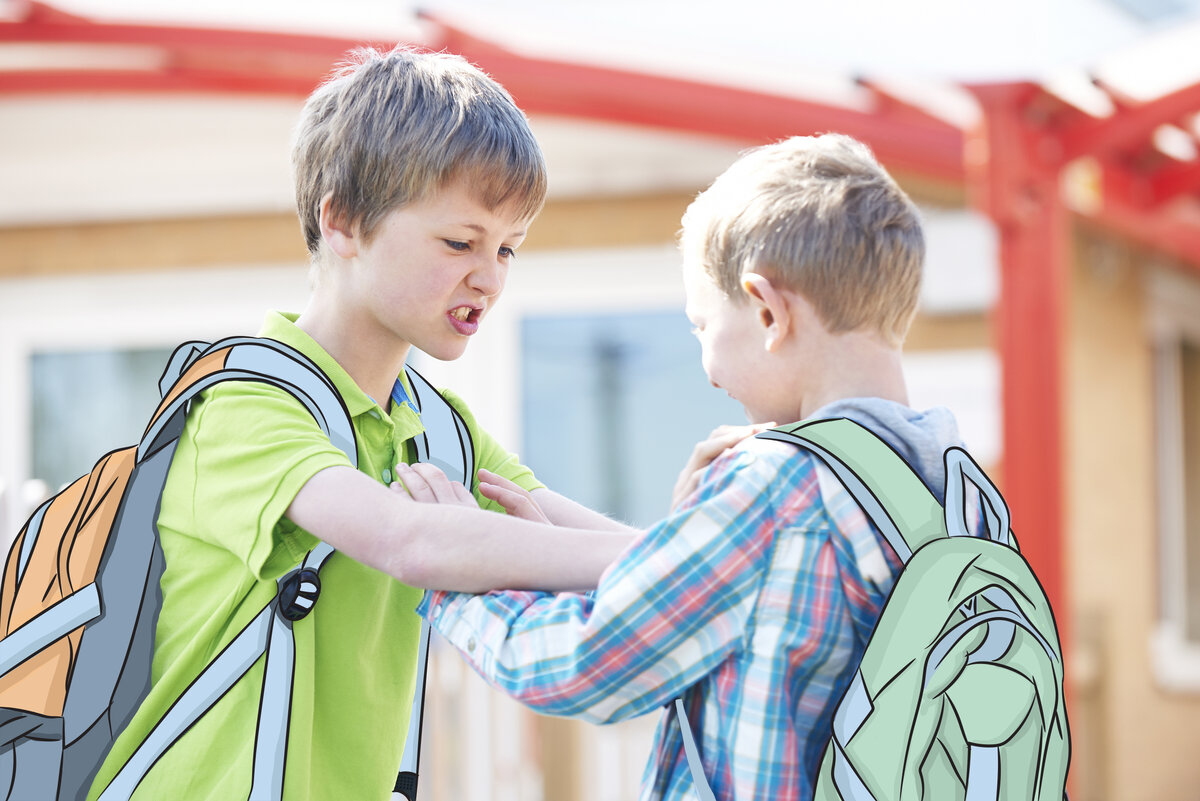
{"x":77,"y":609}
{"x":411,"y":760}
{"x":275,"y":700}
{"x":270,"y":362}
{"x":221,"y":674}
{"x":703,"y":789}
{"x":983,"y":773}
{"x":849,"y":784}
{"x":274,"y":712}
{"x":862,"y":494}
{"x":853,"y":710}
{"x":32,"y":529}
{"x":446,"y":442}
{"x":960,"y":468}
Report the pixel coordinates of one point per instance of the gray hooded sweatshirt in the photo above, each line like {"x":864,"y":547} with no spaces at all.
{"x":920,"y":437}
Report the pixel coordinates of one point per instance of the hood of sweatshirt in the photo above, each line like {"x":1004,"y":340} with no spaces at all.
{"x":920,"y":437}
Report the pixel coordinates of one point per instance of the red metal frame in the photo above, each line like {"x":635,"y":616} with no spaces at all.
{"x":1017,"y":185}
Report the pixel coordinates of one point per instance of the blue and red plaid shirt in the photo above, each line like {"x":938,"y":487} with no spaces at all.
{"x":753,"y":601}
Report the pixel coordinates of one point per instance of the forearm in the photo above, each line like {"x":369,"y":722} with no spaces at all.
{"x":448,"y":547}
{"x":470,"y":550}
{"x":563,"y":511}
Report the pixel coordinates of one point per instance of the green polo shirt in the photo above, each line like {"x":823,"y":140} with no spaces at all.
{"x":245,"y":452}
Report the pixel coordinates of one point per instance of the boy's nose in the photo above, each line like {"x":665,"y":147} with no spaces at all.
{"x":488,"y":277}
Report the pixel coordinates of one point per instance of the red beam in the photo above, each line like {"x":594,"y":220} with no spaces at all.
{"x":1174,"y":180}
{"x":1021,"y":196}
{"x":191,"y":58}
{"x":46,"y":24}
{"x":1131,"y":127}
{"x":902,"y":141}
{"x":95,"y":81}
{"x":207,"y":59}
{"x":1173,"y":230}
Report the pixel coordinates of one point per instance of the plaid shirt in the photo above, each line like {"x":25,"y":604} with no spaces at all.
{"x":753,"y":601}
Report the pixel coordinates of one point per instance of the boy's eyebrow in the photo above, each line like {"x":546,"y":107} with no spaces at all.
{"x":481,"y":230}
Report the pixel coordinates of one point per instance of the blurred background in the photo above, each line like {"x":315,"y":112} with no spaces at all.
{"x":145,"y":200}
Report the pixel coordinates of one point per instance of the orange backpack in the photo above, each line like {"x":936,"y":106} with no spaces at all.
{"x":79,"y":597}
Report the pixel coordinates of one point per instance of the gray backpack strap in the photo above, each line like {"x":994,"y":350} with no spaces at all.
{"x":447,"y":444}
{"x":199,"y":368}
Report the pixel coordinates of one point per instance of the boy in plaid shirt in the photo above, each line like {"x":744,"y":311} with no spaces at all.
{"x":754,"y":599}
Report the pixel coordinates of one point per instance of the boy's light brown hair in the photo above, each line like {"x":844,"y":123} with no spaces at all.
{"x":388,"y":129}
{"x":820,"y":215}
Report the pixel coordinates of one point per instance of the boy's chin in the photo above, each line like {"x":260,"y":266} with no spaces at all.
{"x":445,"y":352}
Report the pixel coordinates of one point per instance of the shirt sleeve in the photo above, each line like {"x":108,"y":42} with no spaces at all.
{"x":666,"y":613}
{"x":245,"y":453}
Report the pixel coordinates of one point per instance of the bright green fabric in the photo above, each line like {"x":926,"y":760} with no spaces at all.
{"x":246,"y":451}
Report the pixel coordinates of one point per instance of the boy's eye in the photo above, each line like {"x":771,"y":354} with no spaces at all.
{"x":461,"y":247}
{"x":508,"y":253}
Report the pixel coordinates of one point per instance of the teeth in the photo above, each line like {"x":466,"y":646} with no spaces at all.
{"x":462,"y":313}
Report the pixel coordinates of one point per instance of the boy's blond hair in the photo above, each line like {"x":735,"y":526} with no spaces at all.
{"x":387,"y":129}
{"x":819,"y":214}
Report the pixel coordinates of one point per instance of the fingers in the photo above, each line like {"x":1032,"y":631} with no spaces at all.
{"x":721,"y":439}
{"x":428,"y":484}
{"x":515,"y":500}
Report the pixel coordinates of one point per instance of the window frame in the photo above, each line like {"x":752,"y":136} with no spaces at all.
{"x":1175,"y":320}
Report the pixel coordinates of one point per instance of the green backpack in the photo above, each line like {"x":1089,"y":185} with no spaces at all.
{"x":959,"y":694}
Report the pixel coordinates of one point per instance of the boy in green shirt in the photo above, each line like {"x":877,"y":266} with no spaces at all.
{"x":416,"y":178}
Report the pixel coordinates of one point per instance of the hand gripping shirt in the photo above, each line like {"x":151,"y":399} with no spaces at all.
{"x":753,"y":602}
{"x":245,"y":452}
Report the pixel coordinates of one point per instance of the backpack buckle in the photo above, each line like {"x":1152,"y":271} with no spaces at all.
{"x":298,"y":592}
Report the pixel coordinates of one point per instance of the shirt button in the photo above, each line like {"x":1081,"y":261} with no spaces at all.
{"x":471,"y":645}
{"x":386,"y":475}
{"x":375,"y":414}
{"x":437,"y":610}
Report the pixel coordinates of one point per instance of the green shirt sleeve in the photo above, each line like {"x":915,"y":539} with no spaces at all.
{"x":243,"y":457}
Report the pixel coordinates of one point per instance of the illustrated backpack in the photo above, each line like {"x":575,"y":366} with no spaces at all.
{"x":959,"y":694}
{"x":79,"y":597}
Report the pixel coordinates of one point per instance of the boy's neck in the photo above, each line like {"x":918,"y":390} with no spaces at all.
{"x":373,"y":365}
{"x":857,"y":366}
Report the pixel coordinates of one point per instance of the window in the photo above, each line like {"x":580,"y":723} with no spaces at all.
{"x":613,"y":404}
{"x":1177,"y":390}
{"x":86,"y":403}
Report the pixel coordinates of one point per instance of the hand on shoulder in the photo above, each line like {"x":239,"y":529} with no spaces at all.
{"x":706,"y":452}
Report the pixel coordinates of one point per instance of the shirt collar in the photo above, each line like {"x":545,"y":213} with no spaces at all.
{"x":281,"y":326}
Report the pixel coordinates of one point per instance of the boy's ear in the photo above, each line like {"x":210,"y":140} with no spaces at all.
{"x":338,"y":235}
{"x":771,"y":306}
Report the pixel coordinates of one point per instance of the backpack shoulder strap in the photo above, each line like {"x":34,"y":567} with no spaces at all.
{"x":891,"y":493}
{"x":194,"y":368}
{"x":446,"y":443}
{"x":878,"y":478}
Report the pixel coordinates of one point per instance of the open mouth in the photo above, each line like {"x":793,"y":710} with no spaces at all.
{"x":465,"y":319}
